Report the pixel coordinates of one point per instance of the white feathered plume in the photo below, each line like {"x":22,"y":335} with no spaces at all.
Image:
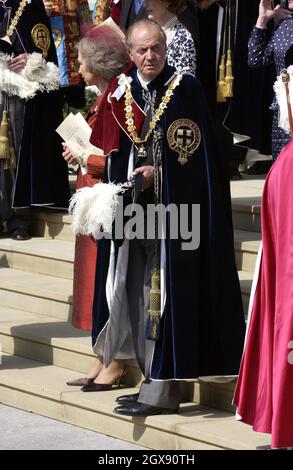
{"x":280,"y":90}
{"x":94,"y":208}
{"x":37,"y":75}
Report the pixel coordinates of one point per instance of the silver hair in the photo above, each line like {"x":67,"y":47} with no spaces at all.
{"x":144,"y":22}
{"x":103,"y":57}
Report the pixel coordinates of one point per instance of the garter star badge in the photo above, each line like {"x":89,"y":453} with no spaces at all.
{"x":184,"y":137}
{"x":41,"y":38}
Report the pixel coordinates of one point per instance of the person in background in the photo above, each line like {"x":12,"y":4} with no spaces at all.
{"x":272,"y":46}
{"x":104,"y":9}
{"x":181,"y":52}
{"x":131,"y":11}
{"x":134,"y":10}
{"x":102,"y":56}
{"x":36,"y":175}
{"x":69,"y":20}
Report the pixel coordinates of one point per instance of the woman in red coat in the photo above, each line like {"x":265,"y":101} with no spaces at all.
{"x":102,"y":56}
{"x":86,"y":247}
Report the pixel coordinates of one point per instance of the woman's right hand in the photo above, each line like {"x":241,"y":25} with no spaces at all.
{"x":267,"y":12}
{"x":69,"y":155}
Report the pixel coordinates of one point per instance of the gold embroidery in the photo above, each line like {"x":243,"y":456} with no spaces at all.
{"x":184,"y":137}
{"x":41,"y":38}
{"x":103,"y":11}
{"x":57,"y":35}
{"x":16,"y":18}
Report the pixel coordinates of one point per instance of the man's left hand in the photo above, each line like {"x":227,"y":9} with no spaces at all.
{"x":18,"y":63}
{"x":148,"y":176}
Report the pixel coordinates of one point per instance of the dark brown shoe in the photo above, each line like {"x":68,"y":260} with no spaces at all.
{"x":94,"y":387}
{"x":83,"y":381}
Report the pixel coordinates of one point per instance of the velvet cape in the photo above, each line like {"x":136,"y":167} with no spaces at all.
{"x":202,"y":326}
{"x":42,"y":174}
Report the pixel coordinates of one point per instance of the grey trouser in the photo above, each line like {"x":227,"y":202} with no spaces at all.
{"x":164,"y":394}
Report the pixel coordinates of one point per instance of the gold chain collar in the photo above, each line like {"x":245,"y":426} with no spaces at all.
{"x":129,"y":115}
{"x":16,"y":18}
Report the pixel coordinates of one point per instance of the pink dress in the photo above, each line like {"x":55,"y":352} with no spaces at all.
{"x":264,"y":391}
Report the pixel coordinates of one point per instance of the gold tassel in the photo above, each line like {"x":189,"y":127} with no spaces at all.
{"x":4,"y":140}
{"x":229,"y":76}
{"x":153,"y":322}
{"x":11,"y":147}
{"x":221,"y":85}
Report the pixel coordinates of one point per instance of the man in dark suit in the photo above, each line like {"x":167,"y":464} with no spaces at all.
{"x":133,"y":10}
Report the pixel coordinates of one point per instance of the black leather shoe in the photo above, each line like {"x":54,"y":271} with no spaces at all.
{"x":20,"y":233}
{"x":140,"y":409}
{"x":126,"y":399}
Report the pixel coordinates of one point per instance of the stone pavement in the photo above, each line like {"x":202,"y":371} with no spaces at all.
{"x":21,"y":430}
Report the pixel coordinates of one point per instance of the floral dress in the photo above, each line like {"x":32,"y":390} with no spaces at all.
{"x":266,"y":47}
{"x":181,"y":49}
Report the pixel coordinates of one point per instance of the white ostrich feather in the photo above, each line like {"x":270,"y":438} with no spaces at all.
{"x":280,"y":91}
{"x":14,"y":84}
{"x":94,"y":208}
{"x":37,"y":75}
{"x":45,"y":73}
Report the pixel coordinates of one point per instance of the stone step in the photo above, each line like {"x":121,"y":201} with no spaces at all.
{"x":38,"y":255}
{"x":40,"y":388}
{"x":52,"y":341}
{"x":246,"y":216}
{"x":52,"y":296}
{"x":52,"y":224}
{"x":246,"y":245}
{"x":54,"y":257}
{"x":246,"y":199}
{"x":246,"y":202}
{"x":245,"y":279}
{"x":55,"y":342}
{"x":36,"y":293}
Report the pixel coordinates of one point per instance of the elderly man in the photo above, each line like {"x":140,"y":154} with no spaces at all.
{"x":197,"y":328}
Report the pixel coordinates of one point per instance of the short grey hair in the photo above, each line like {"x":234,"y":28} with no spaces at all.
{"x":146,"y":23}
{"x":104,"y":52}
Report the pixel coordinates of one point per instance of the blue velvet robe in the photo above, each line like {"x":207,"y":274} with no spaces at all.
{"x":202,"y":326}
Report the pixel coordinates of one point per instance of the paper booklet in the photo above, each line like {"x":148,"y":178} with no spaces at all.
{"x":76,"y":132}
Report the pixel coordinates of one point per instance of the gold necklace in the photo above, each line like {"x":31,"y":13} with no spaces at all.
{"x":129,"y":115}
{"x":16,"y":18}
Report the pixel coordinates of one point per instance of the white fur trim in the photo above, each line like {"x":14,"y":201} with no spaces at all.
{"x":37,"y":75}
{"x":94,"y":208}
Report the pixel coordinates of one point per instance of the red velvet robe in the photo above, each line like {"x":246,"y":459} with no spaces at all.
{"x":85,"y":247}
{"x":265,"y":386}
